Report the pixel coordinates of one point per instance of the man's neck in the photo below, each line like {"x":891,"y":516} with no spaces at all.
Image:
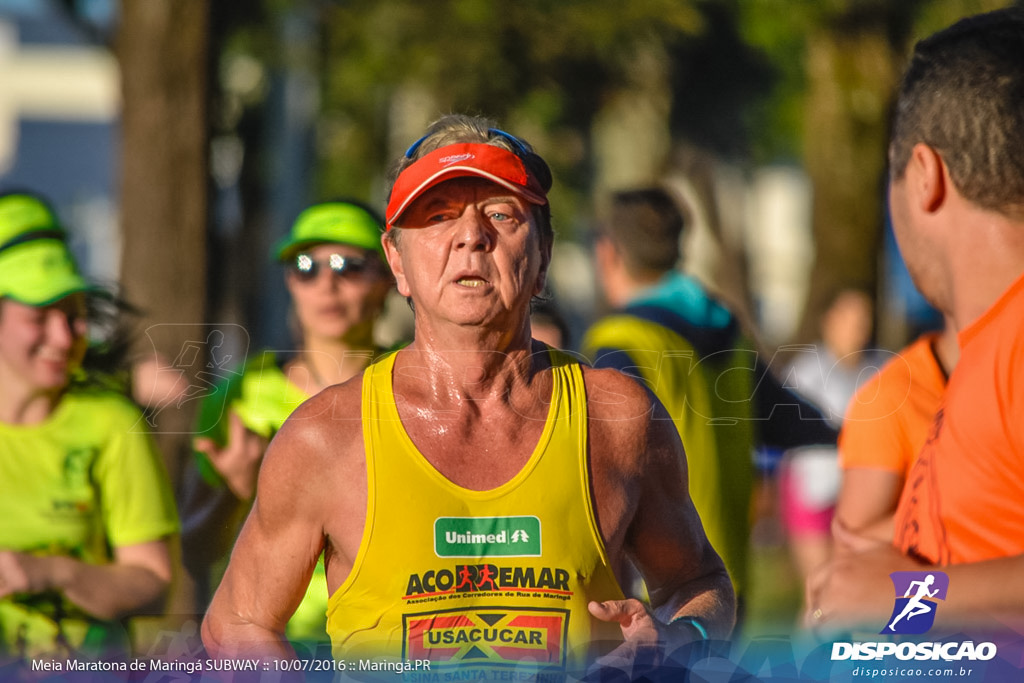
{"x":946,"y":347}
{"x":471,"y":364}
{"x":988,"y":260}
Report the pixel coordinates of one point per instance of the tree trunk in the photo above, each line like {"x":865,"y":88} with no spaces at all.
{"x":163,"y":52}
{"x":851,"y":73}
{"x":162,"y":48}
{"x":630,"y":134}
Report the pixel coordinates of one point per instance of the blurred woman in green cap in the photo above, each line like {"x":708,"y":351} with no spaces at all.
{"x":338,"y":284}
{"x":86,"y":505}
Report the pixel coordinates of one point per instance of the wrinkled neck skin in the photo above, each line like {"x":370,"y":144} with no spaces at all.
{"x":463,"y":363}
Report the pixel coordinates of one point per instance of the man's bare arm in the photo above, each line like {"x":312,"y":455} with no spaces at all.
{"x":867,"y":502}
{"x":664,"y":537}
{"x":281,"y":540}
{"x":683,"y":573}
{"x":855,"y":589}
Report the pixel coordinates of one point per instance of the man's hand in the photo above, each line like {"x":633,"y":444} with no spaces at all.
{"x":238,"y":462}
{"x":647,"y":640}
{"x":853,"y":588}
{"x":636,"y":621}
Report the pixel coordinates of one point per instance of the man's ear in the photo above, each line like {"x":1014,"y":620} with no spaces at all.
{"x":394,"y":259}
{"x":928,"y":178}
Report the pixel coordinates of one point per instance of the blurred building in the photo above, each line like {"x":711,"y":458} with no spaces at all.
{"x":59,"y":100}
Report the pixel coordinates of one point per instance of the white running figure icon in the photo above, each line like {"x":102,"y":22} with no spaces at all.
{"x":916,"y":605}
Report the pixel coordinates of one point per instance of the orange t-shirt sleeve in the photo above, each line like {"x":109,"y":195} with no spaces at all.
{"x":868,"y":437}
{"x":888,"y":417}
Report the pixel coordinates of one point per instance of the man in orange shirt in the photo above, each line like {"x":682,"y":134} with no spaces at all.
{"x":957,"y":201}
{"x":884,"y":429}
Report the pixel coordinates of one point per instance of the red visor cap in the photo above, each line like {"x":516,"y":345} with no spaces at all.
{"x":457,"y":161}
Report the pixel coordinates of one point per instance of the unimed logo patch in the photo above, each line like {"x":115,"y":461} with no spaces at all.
{"x":487,"y":536}
{"x":917,"y":594}
{"x":490,"y":635}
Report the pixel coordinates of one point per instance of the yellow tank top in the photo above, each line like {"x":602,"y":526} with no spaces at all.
{"x":492,"y":580}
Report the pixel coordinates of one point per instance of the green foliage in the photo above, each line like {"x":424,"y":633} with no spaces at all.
{"x":735,"y":71}
{"x":779,"y":30}
{"x":718,"y":80}
{"x":547,"y":66}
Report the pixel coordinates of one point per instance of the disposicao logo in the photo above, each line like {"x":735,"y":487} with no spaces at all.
{"x":487,"y":536}
{"x":916,"y":596}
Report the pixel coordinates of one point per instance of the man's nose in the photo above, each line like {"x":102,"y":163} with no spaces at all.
{"x":474,"y":232}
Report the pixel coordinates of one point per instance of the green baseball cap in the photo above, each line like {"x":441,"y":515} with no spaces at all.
{"x":342,"y":222}
{"x":36,"y":266}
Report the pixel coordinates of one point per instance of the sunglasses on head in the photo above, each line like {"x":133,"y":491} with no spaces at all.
{"x":306,"y":268}
{"x":518,"y":147}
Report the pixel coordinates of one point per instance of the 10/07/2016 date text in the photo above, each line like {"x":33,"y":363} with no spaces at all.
{"x":351,"y":665}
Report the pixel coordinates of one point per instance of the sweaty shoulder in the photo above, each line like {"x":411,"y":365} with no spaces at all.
{"x":624,"y":418}
{"x":328,"y":423}
{"x":320,"y":442}
{"x":612,"y":395}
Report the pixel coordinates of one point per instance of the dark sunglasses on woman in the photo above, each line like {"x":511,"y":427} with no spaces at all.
{"x":306,"y":268}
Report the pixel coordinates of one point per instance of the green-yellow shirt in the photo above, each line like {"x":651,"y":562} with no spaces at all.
{"x":86,"y":480}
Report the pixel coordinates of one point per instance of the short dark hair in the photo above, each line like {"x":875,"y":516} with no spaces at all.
{"x":963,"y":95}
{"x":646,"y":225}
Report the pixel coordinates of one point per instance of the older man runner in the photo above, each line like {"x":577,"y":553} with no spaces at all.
{"x":475,"y":494}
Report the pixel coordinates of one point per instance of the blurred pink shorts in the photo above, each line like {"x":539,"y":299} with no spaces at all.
{"x":808,"y":487}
